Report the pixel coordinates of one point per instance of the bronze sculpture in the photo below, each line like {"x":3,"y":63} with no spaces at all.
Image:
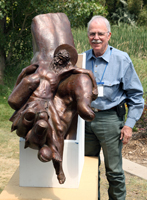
{"x":49,"y":93}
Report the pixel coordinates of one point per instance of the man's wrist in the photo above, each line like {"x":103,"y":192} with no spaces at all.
{"x":130,"y":122}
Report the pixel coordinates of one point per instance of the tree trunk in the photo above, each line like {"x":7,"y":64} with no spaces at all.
{"x":2,"y":66}
{"x":2,"y":53}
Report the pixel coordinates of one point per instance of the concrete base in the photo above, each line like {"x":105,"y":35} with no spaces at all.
{"x":34,"y":173}
{"x":88,"y":188}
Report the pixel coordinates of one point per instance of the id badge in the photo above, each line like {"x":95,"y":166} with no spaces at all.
{"x":100,"y":90}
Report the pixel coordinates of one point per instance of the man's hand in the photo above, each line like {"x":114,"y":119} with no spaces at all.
{"x":126,"y":134}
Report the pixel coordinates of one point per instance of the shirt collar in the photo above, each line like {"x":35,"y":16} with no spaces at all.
{"x":105,"y":56}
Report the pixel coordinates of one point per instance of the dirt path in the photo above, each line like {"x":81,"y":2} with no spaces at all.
{"x":7,"y":168}
{"x":136,"y":149}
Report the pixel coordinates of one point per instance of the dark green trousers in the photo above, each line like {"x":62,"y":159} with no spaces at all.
{"x":104,"y":132}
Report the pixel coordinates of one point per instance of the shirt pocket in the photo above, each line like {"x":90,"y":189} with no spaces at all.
{"x":112,"y":91}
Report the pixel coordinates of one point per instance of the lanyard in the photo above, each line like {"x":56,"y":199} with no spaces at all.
{"x":103,"y":71}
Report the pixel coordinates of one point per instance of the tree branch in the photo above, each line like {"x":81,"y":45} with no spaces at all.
{"x":23,"y":25}
{"x":12,"y":16}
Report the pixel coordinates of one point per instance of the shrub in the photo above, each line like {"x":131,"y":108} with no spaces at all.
{"x":135,"y":6}
{"x":122,"y":14}
{"x":142,"y":18}
{"x":79,"y":12}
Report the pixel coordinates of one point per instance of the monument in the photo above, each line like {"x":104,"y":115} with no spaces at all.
{"x":51,"y":92}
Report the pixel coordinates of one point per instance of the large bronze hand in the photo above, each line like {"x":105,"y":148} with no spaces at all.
{"x":25,"y":72}
{"x":90,"y":74}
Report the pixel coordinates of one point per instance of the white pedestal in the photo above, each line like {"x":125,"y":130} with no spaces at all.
{"x":34,"y":173}
{"x":88,"y":188}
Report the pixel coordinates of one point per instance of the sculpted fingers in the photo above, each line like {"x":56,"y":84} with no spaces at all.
{"x":94,"y":93}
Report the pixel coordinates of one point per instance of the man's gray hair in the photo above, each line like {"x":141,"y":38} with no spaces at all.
{"x":99,"y":18}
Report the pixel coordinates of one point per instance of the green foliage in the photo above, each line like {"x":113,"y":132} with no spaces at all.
{"x":142,"y":18}
{"x":3,"y":10}
{"x":80,"y":39}
{"x":141,"y":69}
{"x":79,"y":12}
{"x":102,"y":2}
{"x":11,"y":76}
{"x":112,"y":6}
{"x":135,"y":6}
{"x":131,"y":39}
{"x":122,"y":14}
{"x":127,"y":11}
{"x":15,"y":36}
{"x":145,"y":2}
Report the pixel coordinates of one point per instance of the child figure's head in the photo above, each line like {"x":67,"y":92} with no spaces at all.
{"x":66,"y":53}
{"x":62,"y":57}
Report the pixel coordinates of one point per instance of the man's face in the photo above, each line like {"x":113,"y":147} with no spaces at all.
{"x":98,"y":36}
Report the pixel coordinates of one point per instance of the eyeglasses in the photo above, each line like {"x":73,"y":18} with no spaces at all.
{"x":100,"y":34}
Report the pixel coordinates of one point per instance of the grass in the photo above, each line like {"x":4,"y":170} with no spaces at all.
{"x":132,"y":40}
{"x":9,"y":144}
{"x":140,"y":65}
{"x":135,"y":186}
{"x":126,"y":38}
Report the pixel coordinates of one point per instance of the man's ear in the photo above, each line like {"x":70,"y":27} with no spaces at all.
{"x":109,"y":36}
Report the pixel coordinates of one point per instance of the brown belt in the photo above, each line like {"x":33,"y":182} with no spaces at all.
{"x":98,"y":110}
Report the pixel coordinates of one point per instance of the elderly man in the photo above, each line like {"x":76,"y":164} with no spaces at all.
{"x":117,"y":83}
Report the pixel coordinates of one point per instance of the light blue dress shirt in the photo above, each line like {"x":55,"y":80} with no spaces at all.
{"x":120,"y":82}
